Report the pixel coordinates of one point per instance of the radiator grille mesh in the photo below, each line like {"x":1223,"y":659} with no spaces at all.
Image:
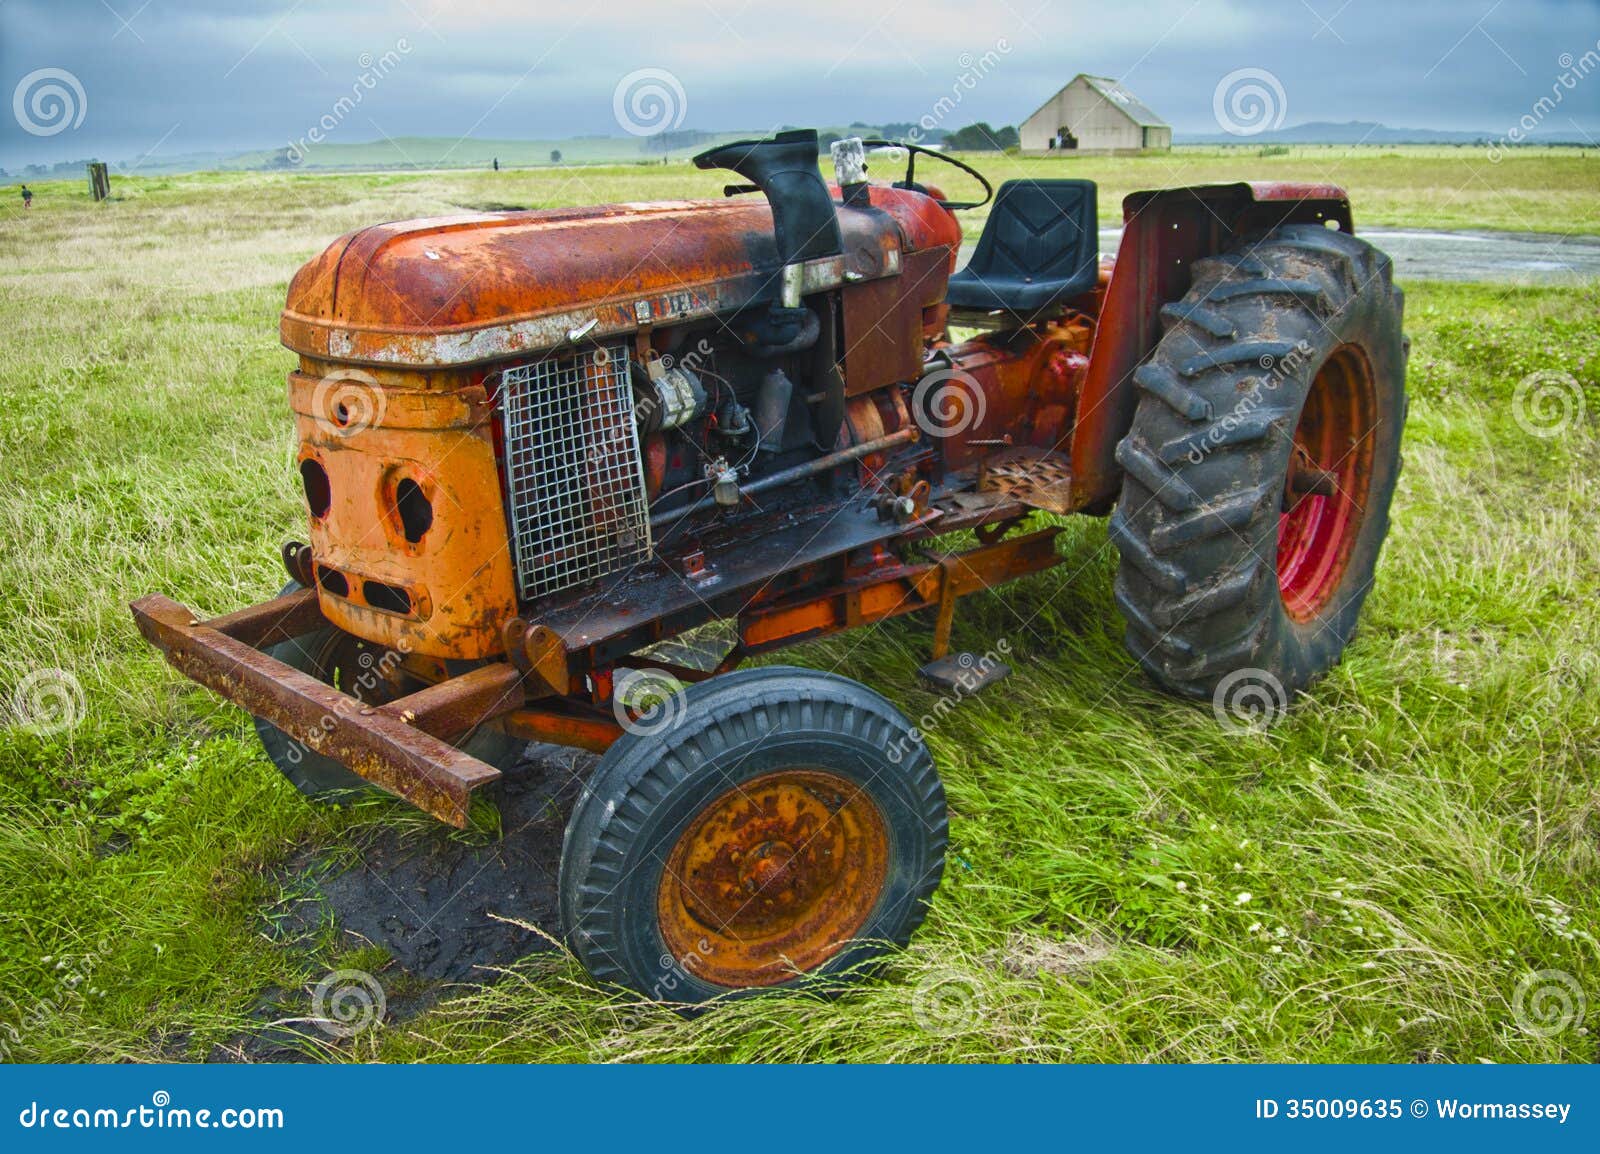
{"x":575,"y":482}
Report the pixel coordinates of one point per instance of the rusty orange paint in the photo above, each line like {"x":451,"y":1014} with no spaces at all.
{"x":1030,"y":381}
{"x":471,"y":289}
{"x":368,"y":435}
{"x":401,"y":330}
{"x":595,"y":734}
{"x":895,"y":590}
{"x":775,"y":875}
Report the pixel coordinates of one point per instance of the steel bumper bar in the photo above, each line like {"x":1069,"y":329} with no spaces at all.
{"x":402,"y":746}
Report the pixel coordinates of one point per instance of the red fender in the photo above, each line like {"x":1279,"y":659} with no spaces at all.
{"x":1164,"y":232}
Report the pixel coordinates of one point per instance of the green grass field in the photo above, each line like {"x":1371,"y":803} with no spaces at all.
{"x":1373,"y":879}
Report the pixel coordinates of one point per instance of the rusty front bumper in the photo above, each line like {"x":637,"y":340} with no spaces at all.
{"x":402,"y":746}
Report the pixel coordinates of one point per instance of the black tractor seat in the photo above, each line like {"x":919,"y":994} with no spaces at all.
{"x":1040,"y":248}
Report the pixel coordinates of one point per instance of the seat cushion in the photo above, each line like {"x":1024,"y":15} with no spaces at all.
{"x":1040,"y":247}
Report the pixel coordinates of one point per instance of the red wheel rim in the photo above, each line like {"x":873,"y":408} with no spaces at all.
{"x":1326,"y":484}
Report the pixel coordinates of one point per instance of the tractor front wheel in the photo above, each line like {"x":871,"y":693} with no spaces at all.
{"x":371,"y":674}
{"x":1260,"y":465}
{"x":760,"y":829}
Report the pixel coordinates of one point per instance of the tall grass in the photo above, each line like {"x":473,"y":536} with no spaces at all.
{"x":1415,"y":839}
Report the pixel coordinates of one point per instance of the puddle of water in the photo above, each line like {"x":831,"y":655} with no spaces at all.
{"x":1421,"y":254}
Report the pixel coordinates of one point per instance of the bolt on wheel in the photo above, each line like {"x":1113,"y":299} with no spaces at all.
{"x":787,"y":827}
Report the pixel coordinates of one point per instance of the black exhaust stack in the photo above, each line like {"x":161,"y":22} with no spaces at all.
{"x":785,"y":169}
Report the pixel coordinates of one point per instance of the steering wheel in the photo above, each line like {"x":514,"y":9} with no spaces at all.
{"x":912,"y":151}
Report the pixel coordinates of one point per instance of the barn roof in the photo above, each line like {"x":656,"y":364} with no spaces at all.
{"x":1118,"y":96}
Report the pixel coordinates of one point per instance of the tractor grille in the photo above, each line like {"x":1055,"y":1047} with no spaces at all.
{"x":574,"y":479}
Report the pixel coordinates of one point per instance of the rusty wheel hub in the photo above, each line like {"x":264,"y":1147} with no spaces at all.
{"x":773,"y":876}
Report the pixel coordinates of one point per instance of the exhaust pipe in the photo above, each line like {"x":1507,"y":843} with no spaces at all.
{"x":784,"y":168}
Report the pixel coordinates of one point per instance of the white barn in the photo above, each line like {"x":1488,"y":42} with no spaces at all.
{"x":1095,"y":114}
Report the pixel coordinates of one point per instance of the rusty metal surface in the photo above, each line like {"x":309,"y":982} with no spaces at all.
{"x":458,"y":575}
{"x":632,"y":610}
{"x":281,"y":619}
{"x":1165,"y":231}
{"x":376,"y":745}
{"x":540,"y":651}
{"x":893,"y":590}
{"x":455,"y":707}
{"x":803,"y":471}
{"x":777,"y":873}
{"x":474,"y":288}
{"x":883,"y":333}
{"x":1037,"y":478}
{"x":590,"y":732}
{"x":1027,"y":384}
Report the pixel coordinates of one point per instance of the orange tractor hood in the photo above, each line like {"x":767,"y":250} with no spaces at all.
{"x":463,"y":290}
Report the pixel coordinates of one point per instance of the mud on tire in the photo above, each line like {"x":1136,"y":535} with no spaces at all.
{"x":1239,"y":550}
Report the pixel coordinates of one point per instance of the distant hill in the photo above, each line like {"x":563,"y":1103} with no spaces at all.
{"x":1365,"y":132}
{"x":425,"y":152}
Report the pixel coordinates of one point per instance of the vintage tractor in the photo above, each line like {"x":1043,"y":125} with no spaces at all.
{"x":547,"y":456}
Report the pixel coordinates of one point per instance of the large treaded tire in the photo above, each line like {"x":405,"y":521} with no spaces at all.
{"x":1206,"y":460}
{"x":322,"y":778}
{"x":650,"y":786}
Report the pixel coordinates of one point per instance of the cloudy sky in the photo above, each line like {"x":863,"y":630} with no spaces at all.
{"x":177,"y":76}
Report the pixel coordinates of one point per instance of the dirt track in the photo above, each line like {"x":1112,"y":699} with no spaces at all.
{"x":429,"y":900}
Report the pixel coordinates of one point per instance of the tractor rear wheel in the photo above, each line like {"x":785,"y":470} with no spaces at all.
{"x":371,"y":674}
{"x":763,"y":828}
{"x":1260,"y":466}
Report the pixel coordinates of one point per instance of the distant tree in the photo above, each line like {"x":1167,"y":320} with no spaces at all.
{"x":555,"y":156}
{"x":859,"y":124}
{"x":825,"y":141}
{"x":980,"y":137}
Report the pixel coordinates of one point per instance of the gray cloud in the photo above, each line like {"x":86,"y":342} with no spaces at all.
{"x":193,"y":76}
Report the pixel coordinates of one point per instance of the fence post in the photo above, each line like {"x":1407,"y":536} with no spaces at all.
{"x":99,"y":181}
